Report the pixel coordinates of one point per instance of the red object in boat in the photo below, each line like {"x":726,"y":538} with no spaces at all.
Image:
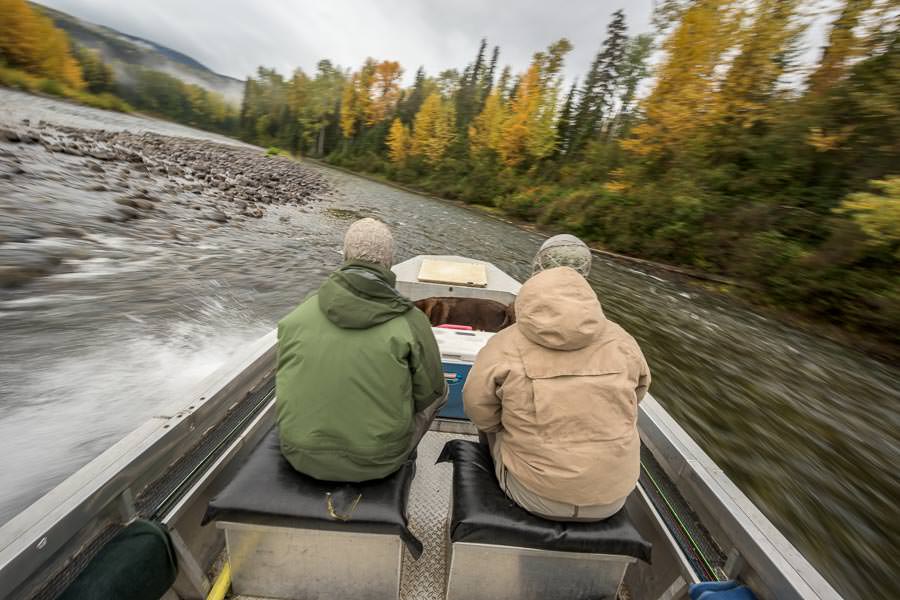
{"x":456,"y":327}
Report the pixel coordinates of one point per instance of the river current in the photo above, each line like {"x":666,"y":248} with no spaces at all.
{"x":145,"y":309}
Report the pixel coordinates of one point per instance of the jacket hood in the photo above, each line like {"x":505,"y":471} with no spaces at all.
{"x":360,"y":295}
{"x":557,"y":309}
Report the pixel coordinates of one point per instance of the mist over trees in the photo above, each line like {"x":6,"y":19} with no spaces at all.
{"x":37,"y":56}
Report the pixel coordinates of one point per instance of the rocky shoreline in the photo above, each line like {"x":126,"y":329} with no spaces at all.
{"x":123,"y":178}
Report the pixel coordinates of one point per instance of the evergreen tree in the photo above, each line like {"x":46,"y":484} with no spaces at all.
{"x":468,"y":98}
{"x":634,"y":70}
{"x":487,"y":80}
{"x":98,"y":76}
{"x":842,"y":46}
{"x":600,"y":85}
{"x":564,"y":124}
{"x":412,"y":102}
{"x":503,"y":84}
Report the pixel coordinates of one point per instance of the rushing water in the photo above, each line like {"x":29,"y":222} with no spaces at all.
{"x":807,"y":428}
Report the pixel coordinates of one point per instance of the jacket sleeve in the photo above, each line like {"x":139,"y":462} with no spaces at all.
{"x":480,"y":394}
{"x":643,"y":378}
{"x":424,"y":363}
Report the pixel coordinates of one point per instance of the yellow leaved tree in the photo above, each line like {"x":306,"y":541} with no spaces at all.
{"x":385,"y":90}
{"x":877,"y":214}
{"x":433,"y":129}
{"x":486,"y":130}
{"x":684,"y":97}
{"x":29,"y":41}
{"x":398,"y":142}
{"x":529,"y":130}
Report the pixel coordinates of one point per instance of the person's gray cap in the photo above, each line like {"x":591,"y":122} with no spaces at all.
{"x":371,"y":241}
{"x":563,"y":250}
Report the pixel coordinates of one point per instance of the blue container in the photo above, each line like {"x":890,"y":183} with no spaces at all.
{"x":455,"y":373}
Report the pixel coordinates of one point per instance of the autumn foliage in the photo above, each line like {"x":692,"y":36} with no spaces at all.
{"x":29,"y":41}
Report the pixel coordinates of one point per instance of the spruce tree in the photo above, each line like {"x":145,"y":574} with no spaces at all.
{"x":564,"y":124}
{"x":600,"y":85}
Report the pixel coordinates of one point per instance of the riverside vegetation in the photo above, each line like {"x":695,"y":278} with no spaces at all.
{"x":723,"y":155}
{"x":708,"y":144}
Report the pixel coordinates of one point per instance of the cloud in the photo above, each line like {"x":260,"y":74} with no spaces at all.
{"x":233,"y":37}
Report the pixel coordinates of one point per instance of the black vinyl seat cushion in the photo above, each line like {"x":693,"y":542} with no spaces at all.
{"x":267,"y":488}
{"x":482,"y":513}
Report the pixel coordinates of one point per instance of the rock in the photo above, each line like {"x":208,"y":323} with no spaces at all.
{"x":14,"y":276}
{"x":218,"y":216}
{"x":8,"y":135}
{"x":96,"y":168}
{"x":127,"y":213}
{"x":98,"y":188}
{"x":13,"y":232}
{"x":126,"y":201}
{"x":21,"y":265}
{"x":71,"y":232}
{"x":101,"y":154}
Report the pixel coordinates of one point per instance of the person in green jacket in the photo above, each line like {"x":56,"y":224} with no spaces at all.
{"x":359,"y":377}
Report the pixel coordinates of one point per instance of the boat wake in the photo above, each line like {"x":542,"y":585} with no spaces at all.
{"x":53,"y":420}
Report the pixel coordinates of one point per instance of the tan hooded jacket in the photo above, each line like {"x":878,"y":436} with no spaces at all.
{"x":561,"y":387}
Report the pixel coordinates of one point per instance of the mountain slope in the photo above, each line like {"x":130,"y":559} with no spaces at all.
{"x":118,"y":47}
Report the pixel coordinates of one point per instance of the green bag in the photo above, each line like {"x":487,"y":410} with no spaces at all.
{"x":137,"y":564}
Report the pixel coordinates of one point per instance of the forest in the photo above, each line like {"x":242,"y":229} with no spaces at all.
{"x":707,"y":143}
{"x":710,"y":142}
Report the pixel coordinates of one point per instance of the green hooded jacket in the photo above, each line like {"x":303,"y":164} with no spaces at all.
{"x":356,"y":360}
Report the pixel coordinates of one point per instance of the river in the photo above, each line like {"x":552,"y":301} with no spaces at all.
{"x":137,"y":312}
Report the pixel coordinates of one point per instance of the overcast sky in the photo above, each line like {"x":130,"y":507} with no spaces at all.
{"x":233,"y":37}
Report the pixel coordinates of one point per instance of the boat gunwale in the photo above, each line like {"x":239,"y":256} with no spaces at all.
{"x":734,"y":520}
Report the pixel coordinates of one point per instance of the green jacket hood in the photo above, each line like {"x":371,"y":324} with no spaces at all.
{"x":360,"y":295}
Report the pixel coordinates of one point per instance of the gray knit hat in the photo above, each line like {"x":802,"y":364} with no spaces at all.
{"x":563,"y":250}
{"x":370,"y":241}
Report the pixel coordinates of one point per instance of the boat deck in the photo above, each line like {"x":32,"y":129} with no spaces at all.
{"x":429,"y":502}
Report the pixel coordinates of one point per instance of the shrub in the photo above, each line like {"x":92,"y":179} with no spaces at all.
{"x":52,"y":87}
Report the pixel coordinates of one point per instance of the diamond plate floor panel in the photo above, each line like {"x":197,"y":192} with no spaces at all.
{"x":429,"y":501}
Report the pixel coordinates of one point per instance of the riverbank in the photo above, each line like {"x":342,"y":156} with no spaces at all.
{"x":16,"y":79}
{"x":740,"y":292}
{"x":170,"y":184}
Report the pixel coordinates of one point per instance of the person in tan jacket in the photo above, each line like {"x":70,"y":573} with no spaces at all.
{"x":557,"y":394}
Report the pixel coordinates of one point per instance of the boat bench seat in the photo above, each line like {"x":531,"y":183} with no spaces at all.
{"x":546,"y":559}
{"x":286,"y":531}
